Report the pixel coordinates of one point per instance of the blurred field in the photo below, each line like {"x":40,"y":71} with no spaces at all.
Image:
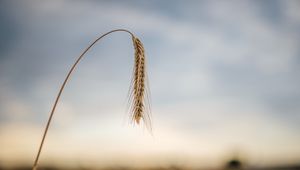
{"x":230,"y":165}
{"x":154,"y":168}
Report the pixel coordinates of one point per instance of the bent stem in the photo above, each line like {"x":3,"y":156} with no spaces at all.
{"x":137,"y":91}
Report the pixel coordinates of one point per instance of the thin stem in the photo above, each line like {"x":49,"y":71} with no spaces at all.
{"x":62,"y":88}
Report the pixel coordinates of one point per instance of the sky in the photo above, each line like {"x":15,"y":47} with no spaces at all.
{"x":224,"y":81}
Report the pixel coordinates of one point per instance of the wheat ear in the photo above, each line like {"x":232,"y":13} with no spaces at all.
{"x":138,"y":88}
{"x":139,"y":103}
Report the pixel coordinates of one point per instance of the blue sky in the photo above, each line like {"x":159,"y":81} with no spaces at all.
{"x":224,"y":79}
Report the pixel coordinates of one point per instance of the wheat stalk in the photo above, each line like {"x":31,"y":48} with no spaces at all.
{"x":139,"y":89}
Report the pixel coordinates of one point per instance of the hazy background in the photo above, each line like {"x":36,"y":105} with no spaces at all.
{"x":224,"y":78}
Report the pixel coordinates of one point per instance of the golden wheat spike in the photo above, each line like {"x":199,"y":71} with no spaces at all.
{"x":138,"y":101}
{"x":138,"y":104}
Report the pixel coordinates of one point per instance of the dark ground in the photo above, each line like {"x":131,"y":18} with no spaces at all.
{"x":233,"y":167}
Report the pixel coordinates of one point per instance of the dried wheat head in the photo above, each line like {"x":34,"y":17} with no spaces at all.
{"x":139,"y":104}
